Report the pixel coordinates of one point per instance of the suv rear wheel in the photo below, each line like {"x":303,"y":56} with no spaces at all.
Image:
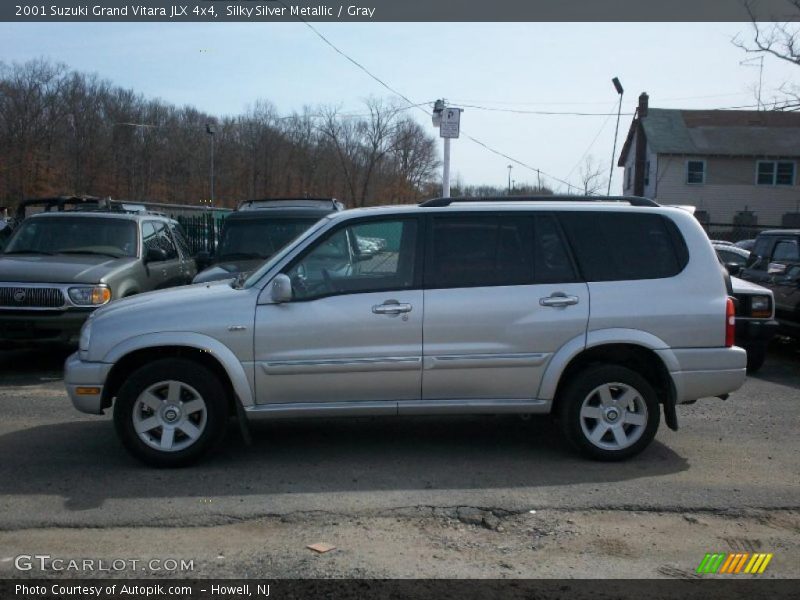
{"x":609,"y":412}
{"x":171,"y":412}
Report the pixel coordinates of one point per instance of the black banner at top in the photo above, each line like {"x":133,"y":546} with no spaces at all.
{"x":395,"y":10}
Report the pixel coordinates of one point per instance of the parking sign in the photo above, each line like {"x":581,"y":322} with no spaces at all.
{"x":451,"y":122}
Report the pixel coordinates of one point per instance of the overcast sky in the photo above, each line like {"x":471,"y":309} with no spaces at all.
{"x":224,"y":68}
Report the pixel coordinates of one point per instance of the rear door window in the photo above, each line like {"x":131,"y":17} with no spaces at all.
{"x":620,"y":246}
{"x":482,"y":250}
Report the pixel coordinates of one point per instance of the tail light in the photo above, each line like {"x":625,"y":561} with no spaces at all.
{"x":730,"y":323}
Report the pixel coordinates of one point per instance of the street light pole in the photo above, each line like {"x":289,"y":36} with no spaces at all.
{"x":211,"y":130}
{"x":620,"y":91}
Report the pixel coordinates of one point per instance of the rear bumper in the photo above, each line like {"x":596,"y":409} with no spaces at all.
{"x":84,"y":382}
{"x":706,"y":372}
{"x":29,"y":328}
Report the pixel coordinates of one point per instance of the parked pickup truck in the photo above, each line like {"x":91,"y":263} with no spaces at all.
{"x":775,"y":264}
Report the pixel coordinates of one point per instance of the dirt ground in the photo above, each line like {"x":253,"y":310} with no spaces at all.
{"x":435,"y":543}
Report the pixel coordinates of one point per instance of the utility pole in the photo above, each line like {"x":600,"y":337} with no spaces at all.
{"x":620,"y":91}
{"x":509,"y":178}
{"x":448,"y":120}
{"x":211,"y":130}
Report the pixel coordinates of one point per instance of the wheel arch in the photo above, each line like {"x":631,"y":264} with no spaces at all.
{"x":643,"y":352}
{"x":212,"y":354}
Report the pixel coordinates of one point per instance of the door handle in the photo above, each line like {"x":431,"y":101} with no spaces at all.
{"x":558,"y":299}
{"x":391,"y":308}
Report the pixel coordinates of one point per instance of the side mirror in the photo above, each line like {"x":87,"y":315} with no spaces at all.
{"x":733,"y":268}
{"x":155,"y":255}
{"x":281,"y":289}
{"x":203,"y":259}
{"x":776,"y":269}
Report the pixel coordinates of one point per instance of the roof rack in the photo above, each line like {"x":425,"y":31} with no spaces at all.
{"x":632,"y":200}
{"x":56,"y":203}
{"x":295,"y":202}
{"x":128,"y":208}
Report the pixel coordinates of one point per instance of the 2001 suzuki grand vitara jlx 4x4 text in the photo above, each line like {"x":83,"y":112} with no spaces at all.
{"x":600,"y":313}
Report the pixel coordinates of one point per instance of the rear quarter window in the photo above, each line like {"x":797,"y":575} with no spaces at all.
{"x":619,"y":246}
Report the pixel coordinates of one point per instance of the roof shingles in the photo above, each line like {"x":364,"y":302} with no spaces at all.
{"x":723,"y":133}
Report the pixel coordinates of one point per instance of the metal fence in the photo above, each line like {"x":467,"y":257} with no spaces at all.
{"x":202,"y":224}
{"x":202,"y":231}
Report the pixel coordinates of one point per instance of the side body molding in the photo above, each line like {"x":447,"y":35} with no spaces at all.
{"x":575,"y":346}
{"x":232,"y":365}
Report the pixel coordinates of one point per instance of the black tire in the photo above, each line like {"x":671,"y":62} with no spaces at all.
{"x":584,"y":384}
{"x":756,"y":355}
{"x":194,"y":382}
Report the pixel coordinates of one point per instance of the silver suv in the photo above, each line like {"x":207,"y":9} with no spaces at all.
{"x":598,"y":312}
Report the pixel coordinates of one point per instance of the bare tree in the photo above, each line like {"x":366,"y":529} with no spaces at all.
{"x":778,"y":38}
{"x":63,"y":131}
{"x":591,"y":176}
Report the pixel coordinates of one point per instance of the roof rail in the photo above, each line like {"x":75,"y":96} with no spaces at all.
{"x":297,"y":202}
{"x":632,"y":200}
{"x":129,"y":208}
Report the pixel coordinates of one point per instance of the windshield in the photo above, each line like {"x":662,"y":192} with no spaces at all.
{"x":259,"y":238}
{"x":278,"y":256}
{"x":75,"y":235}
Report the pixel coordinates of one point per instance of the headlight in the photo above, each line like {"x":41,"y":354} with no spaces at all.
{"x":86,"y":337}
{"x":760,"y":306}
{"x":89,"y":295}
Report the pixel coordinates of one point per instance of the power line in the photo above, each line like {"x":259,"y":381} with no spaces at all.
{"x":417,"y":105}
{"x":586,"y":152}
{"x":596,"y":102}
{"x":352,"y":60}
{"x":517,"y":161}
{"x":542,"y":112}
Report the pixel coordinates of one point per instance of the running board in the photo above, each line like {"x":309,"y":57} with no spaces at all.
{"x":470,"y":406}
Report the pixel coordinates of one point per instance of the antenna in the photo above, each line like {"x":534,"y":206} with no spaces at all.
{"x":751,"y":62}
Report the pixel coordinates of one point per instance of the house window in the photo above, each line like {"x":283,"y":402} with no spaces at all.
{"x":647,"y":172}
{"x":772,"y":172}
{"x":695,"y":171}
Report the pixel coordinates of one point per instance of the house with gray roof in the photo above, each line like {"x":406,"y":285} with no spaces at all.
{"x":723,"y":162}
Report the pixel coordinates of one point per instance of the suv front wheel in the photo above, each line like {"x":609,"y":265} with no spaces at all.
{"x":609,"y":412}
{"x":170,"y":412}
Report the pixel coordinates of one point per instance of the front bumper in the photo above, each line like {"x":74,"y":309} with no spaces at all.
{"x":755,"y":332}
{"x":28,"y":328}
{"x":84,"y":382}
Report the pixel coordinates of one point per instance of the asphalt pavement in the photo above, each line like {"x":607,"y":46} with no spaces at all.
{"x":63,"y":468}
